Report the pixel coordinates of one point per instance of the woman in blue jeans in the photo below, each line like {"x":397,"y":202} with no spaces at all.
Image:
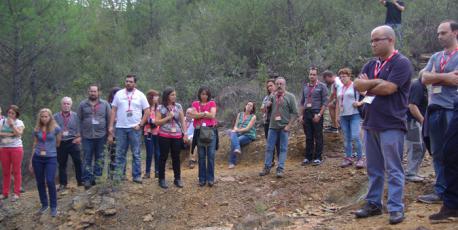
{"x":150,"y":133}
{"x":348,"y":103}
{"x":243,"y":133}
{"x":43,"y":163}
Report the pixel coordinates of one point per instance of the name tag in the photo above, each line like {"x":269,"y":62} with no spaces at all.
{"x":42,"y":153}
{"x":129,"y":113}
{"x":368,"y":99}
{"x":437,"y":89}
{"x":309,"y":105}
{"x":174,"y":130}
{"x":148,"y":130}
{"x":95,"y":121}
{"x":278,"y":118}
{"x":204,"y":124}
{"x":65,"y":133}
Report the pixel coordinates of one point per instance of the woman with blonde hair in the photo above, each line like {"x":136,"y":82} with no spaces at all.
{"x":43,"y":163}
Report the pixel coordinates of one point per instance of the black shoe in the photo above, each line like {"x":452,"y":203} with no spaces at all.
{"x":62,"y":188}
{"x":396,"y":217}
{"x":202,"y":184}
{"x":280,"y":173}
{"x":178,"y":183}
{"x":368,"y":210}
{"x":146,"y":176}
{"x":137,"y":180}
{"x":87,"y":185}
{"x":80,"y":184}
{"x":156,"y":175}
{"x":163,"y":184}
{"x":264,"y":171}
{"x":93,"y":183}
{"x":443,"y":215}
{"x":210,"y":184}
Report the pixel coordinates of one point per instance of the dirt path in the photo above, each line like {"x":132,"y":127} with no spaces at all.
{"x":308,"y":197}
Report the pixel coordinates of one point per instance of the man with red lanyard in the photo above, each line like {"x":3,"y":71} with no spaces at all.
{"x":94,"y":117}
{"x":441,"y":73}
{"x":284,"y":113}
{"x":386,"y":79}
{"x":313,"y":104}
{"x":127,"y":107}
{"x":70,"y":144}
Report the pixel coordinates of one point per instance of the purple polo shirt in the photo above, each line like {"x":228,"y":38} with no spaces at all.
{"x":389,"y":112}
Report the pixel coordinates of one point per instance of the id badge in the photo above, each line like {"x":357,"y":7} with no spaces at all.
{"x":278,"y":118}
{"x":65,"y":133}
{"x":42,"y":153}
{"x":309,"y":105}
{"x":95,"y":121}
{"x":368,"y":99}
{"x":204,"y":124}
{"x":148,"y":130}
{"x":437,"y":89}
{"x":174,"y":130}
{"x":129,"y":114}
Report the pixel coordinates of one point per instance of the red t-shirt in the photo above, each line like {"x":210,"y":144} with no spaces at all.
{"x":202,"y":108}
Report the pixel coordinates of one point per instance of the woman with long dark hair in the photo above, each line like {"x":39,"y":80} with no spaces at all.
{"x":170,"y":118}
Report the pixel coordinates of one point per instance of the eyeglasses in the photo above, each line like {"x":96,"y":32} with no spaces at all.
{"x":375,"y":40}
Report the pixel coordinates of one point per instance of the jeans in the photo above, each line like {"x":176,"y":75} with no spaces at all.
{"x":351,"y":129}
{"x":44,"y":169}
{"x":124,"y":138}
{"x":384,"y":155}
{"x":438,"y":122}
{"x":173,"y":146}
{"x":207,"y":162}
{"x":65,"y":149}
{"x":274,"y":136}
{"x":237,"y":140}
{"x":93,"y":149}
{"x":11,"y":159}
{"x":152,"y":149}
{"x":451,"y":162}
{"x":277,"y":146}
{"x":415,"y":147}
{"x":314,"y":135}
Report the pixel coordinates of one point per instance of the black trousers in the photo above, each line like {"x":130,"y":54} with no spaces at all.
{"x":313,"y":135}
{"x":173,"y":146}
{"x":451,"y":162}
{"x":67,"y":148}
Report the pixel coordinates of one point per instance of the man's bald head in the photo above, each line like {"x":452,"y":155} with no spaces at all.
{"x":383,"y":40}
{"x":386,"y":31}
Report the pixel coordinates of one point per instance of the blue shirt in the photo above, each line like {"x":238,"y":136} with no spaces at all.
{"x":49,"y":145}
{"x":389,"y":112}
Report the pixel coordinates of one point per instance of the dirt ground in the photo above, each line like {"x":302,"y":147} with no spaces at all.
{"x":310,"y":197}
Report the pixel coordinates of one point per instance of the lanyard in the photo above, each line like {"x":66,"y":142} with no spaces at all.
{"x":379,"y":67}
{"x":94,"y":108}
{"x":311,"y":89}
{"x":129,"y":99}
{"x":344,"y":89}
{"x":279,"y":99}
{"x":43,"y":137}
{"x":66,"y":120}
{"x":444,"y":62}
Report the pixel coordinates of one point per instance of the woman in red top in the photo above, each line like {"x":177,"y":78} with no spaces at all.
{"x":151,"y":131}
{"x":204,"y":114}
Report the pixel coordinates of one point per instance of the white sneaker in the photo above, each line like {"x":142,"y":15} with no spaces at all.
{"x":14,"y":198}
{"x":231,"y":166}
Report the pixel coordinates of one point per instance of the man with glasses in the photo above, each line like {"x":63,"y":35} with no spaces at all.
{"x":284,"y":113}
{"x":127,"y":107}
{"x":313,"y":104}
{"x":386,"y":79}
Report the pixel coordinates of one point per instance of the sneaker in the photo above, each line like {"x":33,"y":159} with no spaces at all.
{"x":368,"y":210}
{"x":87,"y":185}
{"x":42,"y":210}
{"x":178,"y":183}
{"x":331,"y":130}
{"x":430,"y":199}
{"x":237,"y":151}
{"x":443,"y":215}
{"x":280,"y":173}
{"x":156,"y":175}
{"x":264,"y":171}
{"x":163,"y":184}
{"x":211,"y":183}
{"x":305,"y":162}
{"x":201,"y":183}
{"x":360,"y":164}
{"x":14,"y":198}
{"x":62,"y":188}
{"x":137,"y":180}
{"x":231,"y":166}
{"x":22,"y":190}
{"x":146,"y":176}
{"x":396,"y":217}
{"x":414,"y":178}
{"x":346,"y":162}
{"x":316,"y":162}
{"x":54,"y":212}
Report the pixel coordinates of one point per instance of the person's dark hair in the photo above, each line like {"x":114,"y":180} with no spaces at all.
{"x":327,"y":73}
{"x":165,"y":95}
{"x":453,"y":24}
{"x":112,"y":93}
{"x":94,"y":85}
{"x":314,"y":67}
{"x":206,"y":90}
{"x":267,"y":82}
{"x":253,"y":111}
{"x":150,"y":95}
{"x":15,"y":108}
{"x":132,"y":76}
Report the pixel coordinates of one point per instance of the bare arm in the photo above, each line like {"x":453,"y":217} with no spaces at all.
{"x":183,"y":125}
{"x":211,"y":114}
{"x":399,"y":6}
{"x":446,"y":79}
{"x":144,"y":119}
{"x":250,"y":125}
{"x":416,"y":113}
{"x":114,"y":110}
{"x":159,"y":120}
{"x":375,"y":86}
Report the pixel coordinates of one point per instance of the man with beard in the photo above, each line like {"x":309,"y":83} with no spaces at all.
{"x":127,"y":107}
{"x":94,"y":117}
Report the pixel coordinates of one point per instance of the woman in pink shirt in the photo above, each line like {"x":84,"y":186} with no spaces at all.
{"x":150,"y":132}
